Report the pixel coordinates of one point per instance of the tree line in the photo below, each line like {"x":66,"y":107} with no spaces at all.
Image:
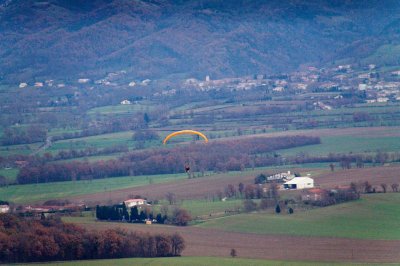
{"x":119,"y":212}
{"x":219,"y":156}
{"x":23,"y":240}
{"x":19,"y":135}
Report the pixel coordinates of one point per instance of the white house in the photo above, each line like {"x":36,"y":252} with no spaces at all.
{"x":23,"y":85}
{"x":83,"y":81}
{"x":135,"y":202}
{"x":299,"y":183}
{"x":4,"y":208}
{"x":280,"y":176}
{"x":382,"y":99}
{"x":124,"y":102}
{"x":362,"y":87}
{"x":146,"y":82}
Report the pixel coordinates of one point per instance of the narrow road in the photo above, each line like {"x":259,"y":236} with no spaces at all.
{"x":46,"y":145}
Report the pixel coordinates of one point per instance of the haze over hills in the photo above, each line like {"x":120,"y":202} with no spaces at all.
{"x":166,"y":39}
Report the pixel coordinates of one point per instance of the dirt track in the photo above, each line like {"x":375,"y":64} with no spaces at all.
{"x":211,"y":242}
{"x":206,"y":186}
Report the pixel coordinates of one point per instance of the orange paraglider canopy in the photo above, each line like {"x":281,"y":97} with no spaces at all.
{"x":185,"y":132}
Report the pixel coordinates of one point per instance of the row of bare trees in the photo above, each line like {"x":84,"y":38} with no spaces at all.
{"x":367,"y":187}
{"x":218,"y":156}
{"x":24,"y":240}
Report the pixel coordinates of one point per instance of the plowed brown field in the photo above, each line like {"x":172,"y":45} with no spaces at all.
{"x":211,"y":242}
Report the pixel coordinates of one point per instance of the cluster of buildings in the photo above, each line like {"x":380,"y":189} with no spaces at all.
{"x":379,"y":86}
{"x":290,"y":181}
{"x":113,"y":79}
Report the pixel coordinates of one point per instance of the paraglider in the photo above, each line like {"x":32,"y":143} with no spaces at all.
{"x":185,"y":132}
{"x":187,"y":168}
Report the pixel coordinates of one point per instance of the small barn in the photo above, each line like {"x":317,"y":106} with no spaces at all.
{"x":299,"y":183}
{"x":4,"y":208}
{"x":135,"y":202}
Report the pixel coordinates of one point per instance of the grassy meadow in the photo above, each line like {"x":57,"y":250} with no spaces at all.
{"x":9,"y":174}
{"x":374,"y":216}
{"x":29,"y":193}
{"x":347,"y":144}
{"x":195,"y":261}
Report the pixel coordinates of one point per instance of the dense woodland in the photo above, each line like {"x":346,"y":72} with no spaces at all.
{"x":24,"y":240}
{"x":217,"y":156}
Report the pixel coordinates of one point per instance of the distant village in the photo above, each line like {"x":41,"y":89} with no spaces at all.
{"x":376,"y":83}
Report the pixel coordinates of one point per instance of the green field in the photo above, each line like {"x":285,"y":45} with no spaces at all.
{"x":24,"y":149}
{"x":121,"y":109}
{"x":99,"y":141}
{"x":10,"y":174}
{"x":375,"y":216}
{"x":387,"y":54}
{"x":30,"y":193}
{"x":195,"y":261}
{"x":346,"y":144}
{"x":205,"y":208}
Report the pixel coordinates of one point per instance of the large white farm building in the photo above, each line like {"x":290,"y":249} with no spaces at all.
{"x":299,"y":183}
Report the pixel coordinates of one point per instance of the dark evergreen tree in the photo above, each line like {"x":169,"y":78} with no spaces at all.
{"x":277,"y":208}
{"x":98,"y":212}
{"x":125,"y":214}
{"x":159,"y":218}
{"x":260,"y":179}
{"x":146,"y":118}
{"x":134,"y":214}
{"x":115,"y":216}
{"x":142,"y":216}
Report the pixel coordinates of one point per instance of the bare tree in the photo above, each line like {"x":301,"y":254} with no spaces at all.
{"x":249,"y":205}
{"x":178,"y":244}
{"x":367,"y":187}
{"x":384,"y":187}
{"x":264,"y":204}
{"x":395,"y":187}
{"x":170,"y":197}
{"x":274,"y":191}
{"x":220,"y":195}
{"x":180,"y":217}
{"x":359,"y":162}
{"x":353,"y":187}
{"x":249,"y":192}
{"x":241,"y":188}
{"x":233,"y":253}
{"x":230,"y":191}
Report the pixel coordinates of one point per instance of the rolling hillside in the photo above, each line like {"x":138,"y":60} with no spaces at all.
{"x":165,"y":39}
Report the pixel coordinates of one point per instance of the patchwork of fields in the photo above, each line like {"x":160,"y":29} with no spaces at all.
{"x":363,"y":232}
{"x":374,"y":216}
{"x":351,"y":232}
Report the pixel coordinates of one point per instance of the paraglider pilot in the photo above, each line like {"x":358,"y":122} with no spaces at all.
{"x":187,"y":168}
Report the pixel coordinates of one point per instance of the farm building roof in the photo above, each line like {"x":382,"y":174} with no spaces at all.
{"x":134,"y":200}
{"x":299,"y":180}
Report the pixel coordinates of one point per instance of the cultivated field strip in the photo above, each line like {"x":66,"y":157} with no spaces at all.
{"x":211,"y":242}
